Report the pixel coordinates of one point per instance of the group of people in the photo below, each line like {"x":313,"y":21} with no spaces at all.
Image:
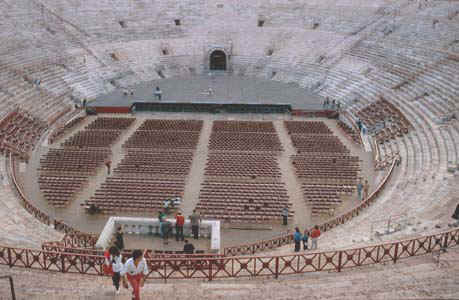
{"x":363,"y":189}
{"x":169,"y":204}
{"x":331,"y":104}
{"x":304,"y":238}
{"x":165,"y":226}
{"x":361,"y":126}
{"x":134,"y":270}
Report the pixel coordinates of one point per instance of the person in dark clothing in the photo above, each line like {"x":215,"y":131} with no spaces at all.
{"x":284,"y":215}
{"x":158,"y":93}
{"x":297,"y":238}
{"x":195,"y":220}
{"x":119,"y":241}
{"x":115,"y":260}
{"x":455,"y":216}
{"x":188,"y":248}
{"x":359,"y":124}
{"x":305,"y":239}
{"x":167,"y":229}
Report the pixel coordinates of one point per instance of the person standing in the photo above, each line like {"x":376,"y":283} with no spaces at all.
{"x":108,"y":164}
{"x":188,"y":248}
{"x":179,"y":222}
{"x":166,"y":206}
{"x":119,"y":240}
{"x":195,"y":220}
{"x":158,"y":93}
{"x":285,"y":215}
{"x":297,"y":238}
{"x":366,"y":189}
{"x":359,"y":124}
{"x":455,"y":216}
{"x":359,"y":189}
{"x":167,"y":229}
{"x":315,"y":233}
{"x":114,"y":259}
{"x":135,"y":270}
{"x":305,"y":239}
{"x":161,"y":216}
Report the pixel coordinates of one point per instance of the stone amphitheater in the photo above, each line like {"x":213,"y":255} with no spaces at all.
{"x":403,"y":53}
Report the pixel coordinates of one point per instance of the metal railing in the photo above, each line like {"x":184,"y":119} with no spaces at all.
{"x":211,"y":268}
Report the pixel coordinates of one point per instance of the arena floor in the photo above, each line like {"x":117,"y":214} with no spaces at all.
{"x":76,"y":216}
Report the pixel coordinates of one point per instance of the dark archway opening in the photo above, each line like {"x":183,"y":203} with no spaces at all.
{"x":218,"y":60}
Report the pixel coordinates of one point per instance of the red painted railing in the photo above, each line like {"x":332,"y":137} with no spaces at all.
{"x":244,"y":266}
{"x":288,"y":239}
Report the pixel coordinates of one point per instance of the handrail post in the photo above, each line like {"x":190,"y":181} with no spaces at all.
{"x":445,"y":241}
{"x":396,"y":252}
{"x":276,"y":274}
{"x":340,"y":257}
{"x":62,"y":263}
{"x":10,"y":262}
{"x":13,"y":294}
{"x":210,"y":269}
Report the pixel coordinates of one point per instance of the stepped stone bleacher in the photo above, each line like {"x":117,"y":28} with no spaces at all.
{"x":19,"y":228}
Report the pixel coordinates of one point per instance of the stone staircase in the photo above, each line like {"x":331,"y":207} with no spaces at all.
{"x":19,"y":228}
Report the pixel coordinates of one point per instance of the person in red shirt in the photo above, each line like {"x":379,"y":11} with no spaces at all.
{"x":179,"y":222}
{"x":315,"y":233}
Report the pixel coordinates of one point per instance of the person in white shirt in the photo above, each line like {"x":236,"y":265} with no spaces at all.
{"x":115,"y":260}
{"x":135,"y":269}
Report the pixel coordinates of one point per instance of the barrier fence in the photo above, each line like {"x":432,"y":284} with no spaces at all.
{"x":232,"y":267}
{"x":253,"y":248}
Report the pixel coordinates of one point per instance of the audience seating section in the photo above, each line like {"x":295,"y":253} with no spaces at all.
{"x":158,"y":158}
{"x":64,"y":172}
{"x":384,"y":120}
{"x":242,"y":152}
{"x":323,"y":165}
{"x":124,"y":194}
{"x":158,"y":163}
{"x":242,"y":164}
{"x":110,"y":123}
{"x":19,"y":133}
{"x":92,"y":139}
{"x":172,"y":125}
{"x":235,"y":201}
{"x":161,"y":139}
{"x":60,"y":131}
{"x":243,"y":126}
